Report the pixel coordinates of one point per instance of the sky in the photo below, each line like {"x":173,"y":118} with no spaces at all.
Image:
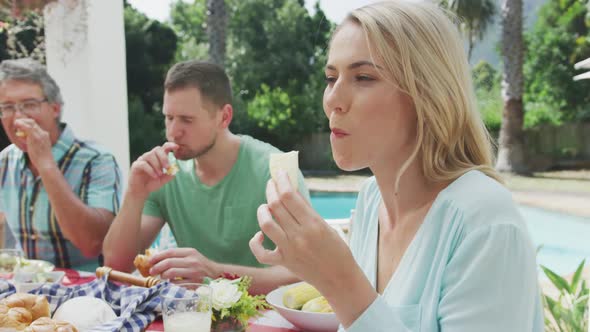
{"x":335,"y":10}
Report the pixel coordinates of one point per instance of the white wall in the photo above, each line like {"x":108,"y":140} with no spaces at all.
{"x":86,"y":56}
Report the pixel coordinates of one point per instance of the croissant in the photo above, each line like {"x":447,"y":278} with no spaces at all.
{"x":142,"y":263}
{"x":37,"y":305}
{"x":46,"y":324}
{"x":14,"y":318}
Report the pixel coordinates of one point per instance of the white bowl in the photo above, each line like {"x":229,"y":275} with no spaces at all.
{"x":307,"y":321}
{"x":27,"y":281}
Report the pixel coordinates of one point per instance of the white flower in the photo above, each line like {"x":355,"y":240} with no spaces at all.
{"x":225,"y":293}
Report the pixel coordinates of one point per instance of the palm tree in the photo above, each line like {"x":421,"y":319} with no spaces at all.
{"x":216,"y":30}
{"x":476,"y":16}
{"x":511,"y":156}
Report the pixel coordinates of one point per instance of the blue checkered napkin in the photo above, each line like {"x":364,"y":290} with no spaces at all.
{"x":136,"y":307}
{"x":6,"y":288}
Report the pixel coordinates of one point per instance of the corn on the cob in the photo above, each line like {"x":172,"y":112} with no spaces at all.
{"x":319,"y":304}
{"x":296,"y":297}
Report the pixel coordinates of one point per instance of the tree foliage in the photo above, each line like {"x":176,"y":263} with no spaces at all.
{"x":150,"y":49}
{"x":20,"y":36}
{"x":275,"y":48}
{"x":486,"y":80}
{"x":188,"y":21}
{"x":476,"y":17}
{"x":485,"y":76}
{"x":285,"y":48}
{"x":559,"y":39}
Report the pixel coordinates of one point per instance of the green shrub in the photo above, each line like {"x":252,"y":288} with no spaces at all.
{"x":490,"y":106}
{"x":272,"y":109}
{"x":569,"y":312}
{"x":538,"y":113}
{"x":146,"y":129}
{"x":485,"y":76}
{"x":559,"y":39}
{"x":486,"y":81}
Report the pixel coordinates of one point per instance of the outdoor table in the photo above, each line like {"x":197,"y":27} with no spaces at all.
{"x":270,"y":321}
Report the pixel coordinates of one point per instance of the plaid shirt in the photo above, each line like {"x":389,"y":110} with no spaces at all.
{"x":91,"y":173}
{"x":135,"y":307}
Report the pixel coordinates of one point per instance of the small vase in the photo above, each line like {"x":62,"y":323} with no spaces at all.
{"x":227,"y":324}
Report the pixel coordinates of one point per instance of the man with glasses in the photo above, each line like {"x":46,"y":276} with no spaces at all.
{"x":59,"y":194}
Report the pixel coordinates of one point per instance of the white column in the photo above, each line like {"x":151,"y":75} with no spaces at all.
{"x":85,"y":42}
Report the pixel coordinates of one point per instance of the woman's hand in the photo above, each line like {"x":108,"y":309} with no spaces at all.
{"x":312,"y":250}
{"x":305,"y":243}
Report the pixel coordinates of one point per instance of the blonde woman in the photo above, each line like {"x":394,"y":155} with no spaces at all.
{"x":438,"y":243}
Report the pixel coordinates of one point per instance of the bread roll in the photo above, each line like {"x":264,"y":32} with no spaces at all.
{"x":37,"y":305}
{"x":14,"y":318}
{"x":288,"y":162}
{"x":142,"y":262}
{"x":46,"y":324}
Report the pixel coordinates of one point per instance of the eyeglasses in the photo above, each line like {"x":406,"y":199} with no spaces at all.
{"x":28,"y":107}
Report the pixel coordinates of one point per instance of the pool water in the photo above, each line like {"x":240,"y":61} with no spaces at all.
{"x":333,"y":205}
{"x":562,"y":237}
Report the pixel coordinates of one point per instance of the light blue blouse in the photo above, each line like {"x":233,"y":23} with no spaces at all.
{"x":470,"y":267}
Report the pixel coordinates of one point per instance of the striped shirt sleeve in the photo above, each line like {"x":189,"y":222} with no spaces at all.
{"x":101,"y":183}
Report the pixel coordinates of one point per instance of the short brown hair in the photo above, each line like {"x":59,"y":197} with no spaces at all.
{"x":209,"y":78}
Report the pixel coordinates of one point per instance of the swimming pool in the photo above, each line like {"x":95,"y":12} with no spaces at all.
{"x":563,"y":237}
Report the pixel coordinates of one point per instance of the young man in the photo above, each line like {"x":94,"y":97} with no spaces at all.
{"x":59,"y":194}
{"x":211,"y":203}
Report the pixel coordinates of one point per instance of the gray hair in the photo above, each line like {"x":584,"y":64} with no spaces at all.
{"x":31,"y":71}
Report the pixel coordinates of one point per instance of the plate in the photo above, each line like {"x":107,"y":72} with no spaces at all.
{"x":35,"y":265}
{"x":307,"y":321}
{"x":27,"y":281}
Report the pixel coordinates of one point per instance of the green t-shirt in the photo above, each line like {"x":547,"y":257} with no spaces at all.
{"x":218,"y":220}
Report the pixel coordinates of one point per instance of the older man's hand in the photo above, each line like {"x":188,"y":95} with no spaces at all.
{"x":38,"y":143}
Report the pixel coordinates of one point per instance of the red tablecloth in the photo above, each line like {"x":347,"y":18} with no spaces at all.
{"x":74,"y":277}
{"x":269,"y":322}
{"x":158,"y":326}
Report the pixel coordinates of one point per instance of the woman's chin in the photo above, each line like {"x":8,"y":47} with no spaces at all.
{"x":346,"y":164}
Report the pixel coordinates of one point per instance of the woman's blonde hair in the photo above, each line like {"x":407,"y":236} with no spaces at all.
{"x":423,"y":55}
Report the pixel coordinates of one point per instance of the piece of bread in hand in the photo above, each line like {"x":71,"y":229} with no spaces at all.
{"x":37,"y":305}
{"x":14,"y":318}
{"x":46,"y":324}
{"x":171,"y":170}
{"x":288,"y":162}
{"x":142,"y":262}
